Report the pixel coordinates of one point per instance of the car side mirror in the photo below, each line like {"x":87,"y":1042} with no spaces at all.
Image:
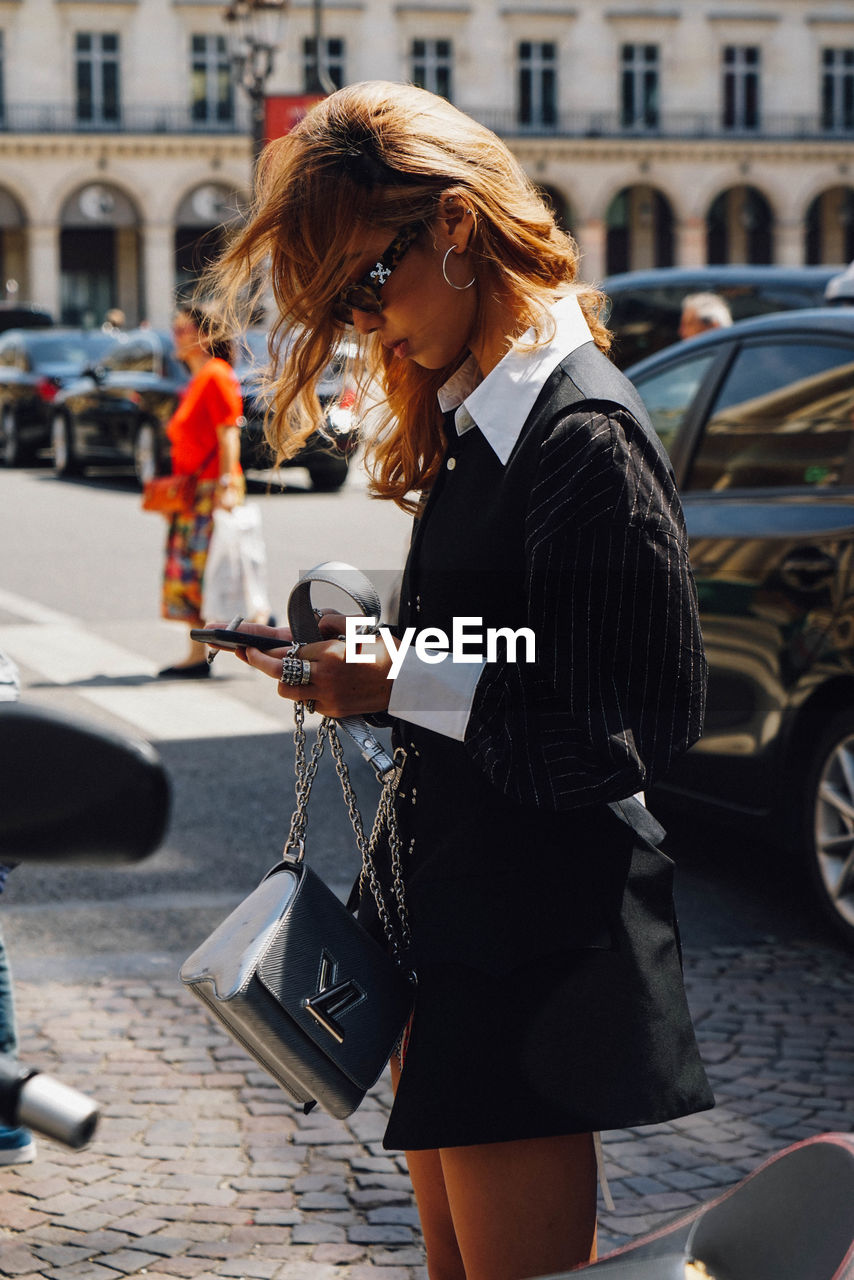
{"x":74,"y":792}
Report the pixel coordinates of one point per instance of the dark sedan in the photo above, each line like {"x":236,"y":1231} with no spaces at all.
{"x":325,"y":456}
{"x":34,"y":365}
{"x":116,"y":414}
{"x":646,"y":306}
{"x":758,"y":420}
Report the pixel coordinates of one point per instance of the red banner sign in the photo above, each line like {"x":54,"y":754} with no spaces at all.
{"x":283,"y":111}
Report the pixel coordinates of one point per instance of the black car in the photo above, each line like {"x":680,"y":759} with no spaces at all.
{"x":116,"y":413}
{"x":24,"y":315}
{"x":646,"y":306}
{"x":325,"y":456}
{"x":34,"y":365}
{"x":758,"y":420}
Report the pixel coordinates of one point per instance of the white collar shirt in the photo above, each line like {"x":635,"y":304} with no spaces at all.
{"x":499,"y":404}
{"x":439,"y":697}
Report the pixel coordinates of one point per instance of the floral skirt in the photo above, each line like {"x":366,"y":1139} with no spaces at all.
{"x":187,"y":546}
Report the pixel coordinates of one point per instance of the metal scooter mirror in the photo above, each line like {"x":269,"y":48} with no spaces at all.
{"x":73,"y":792}
{"x":70,"y":792}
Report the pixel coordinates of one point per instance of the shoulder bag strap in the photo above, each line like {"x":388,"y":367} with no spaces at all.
{"x":305,"y":628}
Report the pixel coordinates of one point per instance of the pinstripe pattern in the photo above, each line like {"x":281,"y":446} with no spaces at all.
{"x":619,"y":684}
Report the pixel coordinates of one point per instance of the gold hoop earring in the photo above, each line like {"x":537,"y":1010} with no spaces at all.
{"x":460,"y":288}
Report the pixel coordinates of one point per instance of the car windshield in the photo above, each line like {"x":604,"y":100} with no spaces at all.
{"x":252,"y":355}
{"x":77,"y":349}
{"x":645,"y":318}
{"x":134,"y":354}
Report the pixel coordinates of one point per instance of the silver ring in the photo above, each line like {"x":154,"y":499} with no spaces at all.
{"x":295,"y":671}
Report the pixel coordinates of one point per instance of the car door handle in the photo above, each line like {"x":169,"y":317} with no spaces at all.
{"x":808,"y":568}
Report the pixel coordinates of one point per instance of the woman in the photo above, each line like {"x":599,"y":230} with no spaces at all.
{"x":550,"y":1001}
{"x":205,"y":438}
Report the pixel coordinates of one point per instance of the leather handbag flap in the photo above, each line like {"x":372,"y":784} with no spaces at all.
{"x":229,"y":957}
{"x":339,"y":986}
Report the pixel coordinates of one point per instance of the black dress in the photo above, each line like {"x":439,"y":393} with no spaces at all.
{"x":550,"y":996}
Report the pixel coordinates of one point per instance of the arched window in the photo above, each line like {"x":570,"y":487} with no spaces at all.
{"x":740,"y":227}
{"x":830,"y":227}
{"x":202,"y":220}
{"x":99,"y":255}
{"x":557,"y":201}
{"x":639,"y":225}
{"x":14,"y":281}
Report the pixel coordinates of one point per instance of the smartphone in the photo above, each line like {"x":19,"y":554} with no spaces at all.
{"x":222,"y":638}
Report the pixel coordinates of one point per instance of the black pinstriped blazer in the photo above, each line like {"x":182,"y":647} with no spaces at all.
{"x":619,"y":685}
{"x":581,"y":538}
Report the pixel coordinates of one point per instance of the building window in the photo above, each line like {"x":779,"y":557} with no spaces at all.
{"x":431,"y":65}
{"x":332,"y":62}
{"x":837,"y":89}
{"x":741,"y":87}
{"x":639,"y":86}
{"x":97,"y":77}
{"x":211,"y":87}
{"x":537,"y":83}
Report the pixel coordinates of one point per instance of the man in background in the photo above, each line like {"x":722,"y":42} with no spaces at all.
{"x":702,"y":312}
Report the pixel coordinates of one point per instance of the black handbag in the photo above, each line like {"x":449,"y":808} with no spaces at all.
{"x":291,"y":974}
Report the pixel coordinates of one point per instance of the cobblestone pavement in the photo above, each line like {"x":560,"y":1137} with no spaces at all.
{"x":201,"y":1167}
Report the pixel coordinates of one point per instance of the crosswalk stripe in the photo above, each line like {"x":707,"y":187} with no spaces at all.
{"x":179,"y":712}
{"x":23,"y":607}
{"x":60,"y":649}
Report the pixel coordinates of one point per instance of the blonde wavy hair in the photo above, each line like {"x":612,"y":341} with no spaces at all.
{"x":379,"y":155}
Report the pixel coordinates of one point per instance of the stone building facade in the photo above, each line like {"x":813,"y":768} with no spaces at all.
{"x":665,"y":131}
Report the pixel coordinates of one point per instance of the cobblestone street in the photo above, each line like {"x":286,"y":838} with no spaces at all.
{"x":202,"y":1168}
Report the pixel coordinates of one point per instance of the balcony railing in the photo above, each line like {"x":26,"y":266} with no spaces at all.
{"x":36,"y":117}
{"x":693,"y":125}
{"x":49,"y":117}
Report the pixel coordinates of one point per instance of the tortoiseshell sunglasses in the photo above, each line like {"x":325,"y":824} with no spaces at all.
{"x":364,"y":294}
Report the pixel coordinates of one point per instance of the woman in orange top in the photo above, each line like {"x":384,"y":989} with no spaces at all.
{"x":205,"y":435}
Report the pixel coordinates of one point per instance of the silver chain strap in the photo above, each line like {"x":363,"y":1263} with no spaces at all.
{"x":305,"y":769}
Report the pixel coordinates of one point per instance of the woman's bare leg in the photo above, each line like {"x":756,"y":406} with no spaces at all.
{"x":444,"y":1261}
{"x":522,"y":1209}
{"x":506,"y":1210}
{"x":198,"y":651}
{"x":437,"y":1227}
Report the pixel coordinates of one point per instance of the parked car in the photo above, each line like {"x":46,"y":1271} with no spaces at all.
{"x":326,"y":456}
{"x":116,"y":413}
{"x":34,"y":365}
{"x":646,"y":306}
{"x":24,"y":315}
{"x":758,"y":420}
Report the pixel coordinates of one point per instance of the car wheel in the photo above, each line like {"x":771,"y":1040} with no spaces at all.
{"x":65,"y":460}
{"x":146,"y":455}
{"x":10,"y":449}
{"x":328,"y":479}
{"x":829,"y":821}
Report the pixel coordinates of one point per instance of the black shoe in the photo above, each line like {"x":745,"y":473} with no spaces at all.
{"x":195,"y":671}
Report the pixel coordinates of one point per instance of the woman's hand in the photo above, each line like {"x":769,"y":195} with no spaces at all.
{"x":337,"y":687}
{"x":229,"y":493}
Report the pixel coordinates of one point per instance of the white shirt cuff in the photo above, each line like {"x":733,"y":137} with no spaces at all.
{"x":435,"y":695}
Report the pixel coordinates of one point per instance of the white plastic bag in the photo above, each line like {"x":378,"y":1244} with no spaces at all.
{"x":235,"y":577}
